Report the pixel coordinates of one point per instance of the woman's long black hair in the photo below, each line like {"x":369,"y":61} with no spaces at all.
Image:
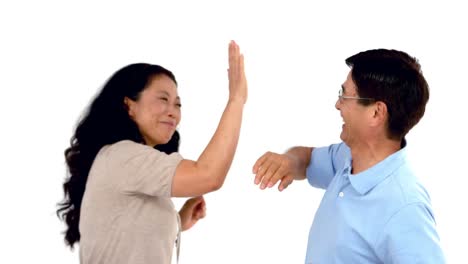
{"x":106,"y":121}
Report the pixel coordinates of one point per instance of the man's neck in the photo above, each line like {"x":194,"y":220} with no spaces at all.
{"x":369,"y":153}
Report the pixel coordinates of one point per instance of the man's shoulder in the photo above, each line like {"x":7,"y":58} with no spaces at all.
{"x":335,"y":149}
{"x":407,"y":188}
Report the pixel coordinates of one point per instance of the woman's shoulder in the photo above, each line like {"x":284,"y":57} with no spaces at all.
{"x":128,"y":148}
{"x":124,"y":148}
{"x":126,"y":144}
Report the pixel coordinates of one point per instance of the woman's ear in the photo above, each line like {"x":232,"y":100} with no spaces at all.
{"x":129,"y":105}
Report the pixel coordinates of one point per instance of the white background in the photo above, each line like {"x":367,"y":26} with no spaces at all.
{"x":54,"y":56}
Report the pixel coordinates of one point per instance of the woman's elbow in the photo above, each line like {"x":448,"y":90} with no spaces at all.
{"x":214,"y":184}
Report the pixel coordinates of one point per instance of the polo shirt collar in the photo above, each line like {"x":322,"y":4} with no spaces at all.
{"x":366,"y":180}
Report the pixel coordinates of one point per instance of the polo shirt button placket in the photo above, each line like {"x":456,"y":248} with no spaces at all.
{"x":345,"y":182}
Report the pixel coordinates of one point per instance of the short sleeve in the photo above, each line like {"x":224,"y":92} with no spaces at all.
{"x":142,"y":169}
{"x":324,"y":163}
{"x":410,"y":237}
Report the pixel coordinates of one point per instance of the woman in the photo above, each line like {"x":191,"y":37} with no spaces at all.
{"x":124,"y":166}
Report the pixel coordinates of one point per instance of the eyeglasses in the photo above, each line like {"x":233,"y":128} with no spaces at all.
{"x":341,"y":97}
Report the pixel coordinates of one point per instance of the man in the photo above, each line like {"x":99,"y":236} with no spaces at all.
{"x":374,"y":209}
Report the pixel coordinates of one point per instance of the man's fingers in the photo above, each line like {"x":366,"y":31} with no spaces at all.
{"x":267,"y":180}
{"x":270,"y":168}
{"x":259,"y":162}
{"x":283,"y":167}
{"x":285,"y":182}
{"x":260,"y":167}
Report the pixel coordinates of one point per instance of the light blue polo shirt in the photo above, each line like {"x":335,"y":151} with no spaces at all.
{"x":381,"y":215}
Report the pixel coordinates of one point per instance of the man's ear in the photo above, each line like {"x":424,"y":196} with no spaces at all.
{"x":380,"y":113}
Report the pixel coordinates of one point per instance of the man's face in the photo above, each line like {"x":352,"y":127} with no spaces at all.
{"x":354,"y":114}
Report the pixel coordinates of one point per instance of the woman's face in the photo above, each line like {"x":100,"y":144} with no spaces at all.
{"x":157,"y":110}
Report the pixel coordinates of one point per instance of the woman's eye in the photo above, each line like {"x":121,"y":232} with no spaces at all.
{"x":179,"y":105}
{"x":164,"y":99}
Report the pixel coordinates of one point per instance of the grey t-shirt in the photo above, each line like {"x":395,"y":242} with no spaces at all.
{"x":127,"y":215}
